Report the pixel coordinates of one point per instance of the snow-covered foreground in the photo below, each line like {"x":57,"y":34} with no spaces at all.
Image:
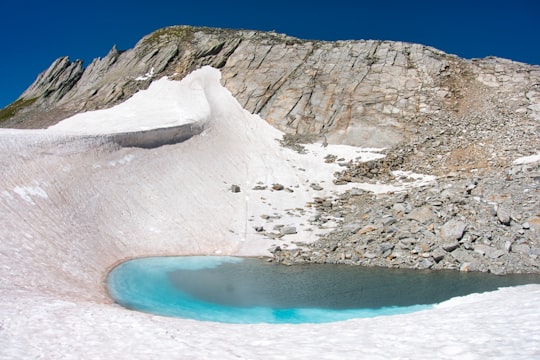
{"x":72,"y":206}
{"x":502,"y":324}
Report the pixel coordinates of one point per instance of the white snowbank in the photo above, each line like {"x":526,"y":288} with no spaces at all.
{"x":146,"y":76}
{"x":527,"y":160}
{"x":165,"y":103}
{"x":103,"y":205}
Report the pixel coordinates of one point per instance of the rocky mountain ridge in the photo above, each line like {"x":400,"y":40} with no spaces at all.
{"x":346,"y":91}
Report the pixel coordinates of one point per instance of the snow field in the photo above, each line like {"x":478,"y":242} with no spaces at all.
{"x":71,"y":209}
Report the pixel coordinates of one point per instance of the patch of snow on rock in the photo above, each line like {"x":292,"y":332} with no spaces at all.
{"x":527,"y":160}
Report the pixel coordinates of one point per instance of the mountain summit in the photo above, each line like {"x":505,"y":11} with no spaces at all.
{"x":366,"y":92}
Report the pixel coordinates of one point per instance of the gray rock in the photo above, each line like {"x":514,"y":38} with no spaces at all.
{"x":503,"y":215}
{"x":350,"y":227}
{"x":489,"y":251}
{"x":438,"y":254}
{"x":423,"y":215}
{"x":425,"y":264}
{"x":399,"y":208}
{"x":288,"y":230}
{"x":384,"y":247}
{"x":469,"y":266}
{"x":482,"y":249}
{"x":462,"y":256}
{"x":521,"y":248}
{"x":316,"y":187}
{"x":452,"y":231}
{"x":450,"y":246}
{"x":235,"y":188}
{"x":496,"y":253}
{"x":470,"y":187}
{"x":57,"y":80}
{"x":387,"y":221}
{"x":370,"y":255}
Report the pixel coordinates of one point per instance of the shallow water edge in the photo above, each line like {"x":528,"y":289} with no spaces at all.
{"x":252,"y":290}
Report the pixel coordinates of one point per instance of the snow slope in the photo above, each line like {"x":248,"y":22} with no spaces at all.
{"x":73,"y":204}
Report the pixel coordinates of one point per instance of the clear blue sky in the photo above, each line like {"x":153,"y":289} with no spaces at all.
{"x":34,"y":33}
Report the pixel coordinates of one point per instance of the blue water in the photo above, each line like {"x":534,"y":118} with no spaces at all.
{"x":247,"y":290}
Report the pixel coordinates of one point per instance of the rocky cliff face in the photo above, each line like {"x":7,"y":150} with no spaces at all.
{"x":369,"y":93}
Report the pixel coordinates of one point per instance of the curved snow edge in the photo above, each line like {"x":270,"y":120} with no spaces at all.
{"x":157,"y":137}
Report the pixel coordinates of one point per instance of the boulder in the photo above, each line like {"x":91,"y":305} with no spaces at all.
{"x":422,"y":215}
{"x":452,"y":231}
{"x":450,"y":246}
{"x":503,"y":215}
{"x":438,"y":254}
{"x":288,"y":230}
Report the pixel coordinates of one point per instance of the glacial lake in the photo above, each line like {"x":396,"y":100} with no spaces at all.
{"x":250,"y":290}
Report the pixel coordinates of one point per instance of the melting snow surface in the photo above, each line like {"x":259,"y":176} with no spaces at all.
{"x":108,"y":205}
{"x":165,"y":103}
{"x":527,"y":160}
